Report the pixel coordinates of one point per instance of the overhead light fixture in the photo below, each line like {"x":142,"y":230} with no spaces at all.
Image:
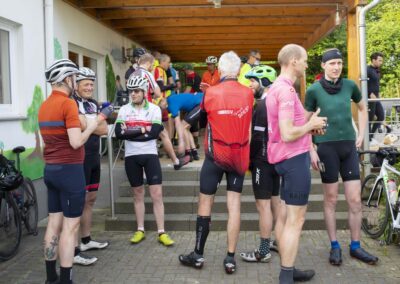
{"x":338,"y":20}
{"x":217,"y":3}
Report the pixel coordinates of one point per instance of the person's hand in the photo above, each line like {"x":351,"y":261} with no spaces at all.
{"x":359,"y":141}
{"x":317,"y":122}
{"x":372,"y":96}
{"x":318,"y":132}
{"x":82,"y":119}
{"x":204,"y":86}
{"x":314,"y":159}
{"x":91,"y":123}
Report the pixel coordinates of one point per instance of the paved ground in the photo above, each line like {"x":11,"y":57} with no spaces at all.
{"x":150,"y":262}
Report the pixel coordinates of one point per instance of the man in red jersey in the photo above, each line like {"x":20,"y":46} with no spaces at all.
{"x":228,"y":108}
{"x":63,"y":153}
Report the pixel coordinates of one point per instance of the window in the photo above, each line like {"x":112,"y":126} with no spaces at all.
{"x":85,"y":58}
{"x":5,"y":82}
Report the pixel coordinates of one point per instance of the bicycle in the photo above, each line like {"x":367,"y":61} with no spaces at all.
{"x":379,"y":211}
{"x":17,"y":206}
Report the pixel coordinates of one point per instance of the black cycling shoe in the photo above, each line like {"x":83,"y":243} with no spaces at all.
{"x":195,"y":155}
{"x":57,"y":281}
{"x":303,"y":275}
{"x":364,"y":256}
{"x":192,"y":259}
{"x":229,"y":265}
{"x":335,"y":256}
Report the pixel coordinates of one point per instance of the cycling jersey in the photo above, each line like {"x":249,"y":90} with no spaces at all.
{"x":228,"y":106}
{"x":194,"y":81}
{"x":284,"y":103}
{"x":141,"y":72}
{"x":161,"y":75}
{"x":210,"y":79}
{"x":184,"y":101}
{"x":243,"y":71}
{"x":133,"y":118}
{"x":89,"y":107}
{"x":259,"y":132}
{"x":57,"y":114}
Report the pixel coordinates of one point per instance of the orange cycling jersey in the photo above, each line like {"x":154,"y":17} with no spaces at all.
{"x":210,"y":79}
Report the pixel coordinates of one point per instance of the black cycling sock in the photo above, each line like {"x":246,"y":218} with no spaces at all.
{"x":65,"y":275}
{"x":77,"y":251}
{"x":202,"y":230}
{"x":86,"y":240}
{"x":264,"y":246}
{"x":286,"y":275}
{"x":230,"y":254}
{"x":51,"y":270}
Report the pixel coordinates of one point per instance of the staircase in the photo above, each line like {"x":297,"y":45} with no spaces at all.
{"x":181,"y":188}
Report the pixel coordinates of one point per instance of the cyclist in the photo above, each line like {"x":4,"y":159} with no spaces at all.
{"x":88,"y":107}
{"x":64,"y":176}
{"x":211,"y":76}
{"x":265,"y":179}
{"x":253,"y":60}
{"x":228,"y":108}
{"x":337,"y":150}
{"x":289,"y":143}
{"x":137,"y":52}
{"x":139,"y":124}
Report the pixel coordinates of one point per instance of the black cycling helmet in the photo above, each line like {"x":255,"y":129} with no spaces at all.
{"x":139,"y":51}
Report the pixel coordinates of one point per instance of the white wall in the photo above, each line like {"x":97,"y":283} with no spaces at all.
{"x":27,"y":70}
{"x":74,"y":27}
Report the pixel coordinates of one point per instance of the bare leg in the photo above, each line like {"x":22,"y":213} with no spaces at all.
{"x":233,"y":228}
{"x":70,"y":228}
{"x":138,"y":201}
{"x":352,"y":190}
{"x":168,"y":146}
{"x":330,"y":199}
{"x":86,"y":220}
{"x":52,"y":236}
{"x":265,"y":220}
{"x":158,"y":205}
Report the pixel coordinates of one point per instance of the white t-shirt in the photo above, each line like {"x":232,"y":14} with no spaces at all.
{"x":143,"y":117}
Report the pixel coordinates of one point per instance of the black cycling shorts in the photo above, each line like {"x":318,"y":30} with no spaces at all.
{"x":211,"y":176}
{"x":339,"y":157}
{"x":134,"y":166}
{"x":193,"y":116}
{"x":296,"y":179}
{"x":66,"y":189}
{"x":265,"y":180}
{"x":91,"y":167}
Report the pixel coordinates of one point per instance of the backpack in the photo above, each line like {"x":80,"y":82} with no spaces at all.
{"x":10,"y":177}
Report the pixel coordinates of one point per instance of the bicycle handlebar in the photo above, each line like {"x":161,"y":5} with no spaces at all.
{"x":381,"y":151}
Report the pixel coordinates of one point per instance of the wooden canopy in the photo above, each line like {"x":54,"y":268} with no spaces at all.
{"x":191,"y":30}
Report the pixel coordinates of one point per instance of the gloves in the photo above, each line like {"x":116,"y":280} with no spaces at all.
{"x":107,"y":111}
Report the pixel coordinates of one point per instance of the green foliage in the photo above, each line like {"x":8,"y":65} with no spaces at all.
{"x":31,"y":124}
{"x":383,"y":35}
{"x":57,"y":50}
{"x":110,"y":80}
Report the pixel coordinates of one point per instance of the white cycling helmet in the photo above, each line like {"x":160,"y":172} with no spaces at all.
{"x":137,"y":82}
{"x":212,"y":60}
{"x":60,"y":70}
{"x":85,"y":74}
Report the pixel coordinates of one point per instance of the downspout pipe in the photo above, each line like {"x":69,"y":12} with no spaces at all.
{"x":49,"y":36}
{"x":363,"y":60}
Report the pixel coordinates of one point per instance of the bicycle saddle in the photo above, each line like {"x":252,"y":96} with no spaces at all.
{"x":19,"y":149}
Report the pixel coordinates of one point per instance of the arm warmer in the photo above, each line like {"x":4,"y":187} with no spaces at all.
{"x":127,"y":134}
{"x":149,"y":135}
{"x":163,"y":87}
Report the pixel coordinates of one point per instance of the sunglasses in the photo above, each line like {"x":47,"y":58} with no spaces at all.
{"x":257,"y":58}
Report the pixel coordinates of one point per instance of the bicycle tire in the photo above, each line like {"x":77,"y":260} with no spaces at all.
{"x":375,"y":215}
{"x":10,"y":227}
{"x":30,"y":207}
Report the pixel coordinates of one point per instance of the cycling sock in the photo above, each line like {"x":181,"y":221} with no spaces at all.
{"x":230,"y":254}
{"x":65,"y":275}
{"x":355,"y":245}
{"x":77,"y":251}
{"x":286,"y":274}
{"x":160,"y":232}
{"x":202,"y":230}
{"x":335,"y":245}
{"x":86,"y":240}
{"x":264,"y":246}
{"x":140,"y":229}
{"x":51,"y":270}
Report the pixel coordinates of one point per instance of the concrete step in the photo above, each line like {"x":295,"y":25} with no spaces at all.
{"x":179,"y":204}
{"x":187,"y":222}
{"x":192,"y":188}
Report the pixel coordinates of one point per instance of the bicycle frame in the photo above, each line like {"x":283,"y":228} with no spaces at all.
{"x":383,"y":175}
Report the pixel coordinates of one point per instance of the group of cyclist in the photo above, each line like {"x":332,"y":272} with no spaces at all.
{"x":254,"y":120}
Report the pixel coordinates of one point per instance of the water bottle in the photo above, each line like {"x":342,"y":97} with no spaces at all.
{"x":392,"y":191}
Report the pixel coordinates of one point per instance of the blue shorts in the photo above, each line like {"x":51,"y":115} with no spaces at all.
{"x":296,"y":179}
{"x":66,"y":188}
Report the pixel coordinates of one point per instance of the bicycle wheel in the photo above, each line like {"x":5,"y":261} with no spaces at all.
{"x":375,"y":208}
{"x":30,"y":206}
{"x":10,"y":227}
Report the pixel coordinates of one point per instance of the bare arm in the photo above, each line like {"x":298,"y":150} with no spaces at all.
{"x":77,"y":138}
{"x":157,"y":92}
{"x":362,"y":122}
{"x":102,"y":128}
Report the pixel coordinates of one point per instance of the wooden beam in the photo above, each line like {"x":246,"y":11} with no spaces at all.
{"x":103,"y":4}
{"x":183,"y":12}
{"x":211,"y":47}
{"x":351,"y":5}
{"x":220,"y":21}
{"x":223,"y":42}
{"x":243,"y":29}
{"x":178,"y":37}
{"x":324,"y":29}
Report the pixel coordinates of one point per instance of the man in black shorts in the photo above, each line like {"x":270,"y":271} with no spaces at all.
{"x":336,"y":150}
{"x":89,"y":108}
{"x":228,"y":108}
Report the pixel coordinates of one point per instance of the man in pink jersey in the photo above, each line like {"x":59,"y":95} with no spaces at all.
{"x":288,"y":148}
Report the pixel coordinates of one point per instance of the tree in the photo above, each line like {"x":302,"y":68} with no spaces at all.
{"x":31,"y":124}
{"x":110,"y":80}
